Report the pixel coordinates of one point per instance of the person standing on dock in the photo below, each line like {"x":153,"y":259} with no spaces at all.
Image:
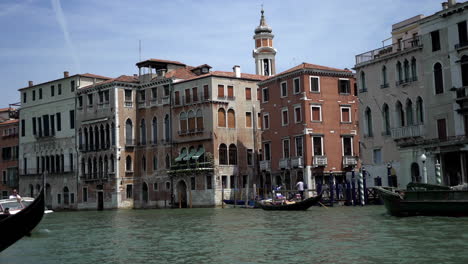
{"x":300,"y":188}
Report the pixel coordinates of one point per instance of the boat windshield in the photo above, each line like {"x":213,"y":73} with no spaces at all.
{"x":13,"y":205}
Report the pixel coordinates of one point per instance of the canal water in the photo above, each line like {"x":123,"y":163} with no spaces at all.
{"x":234,"y":235}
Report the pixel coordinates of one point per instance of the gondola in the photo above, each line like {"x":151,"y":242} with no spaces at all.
{"x":297,"y":206}
{"x":425,"y":199}
{"x":14,"y":227}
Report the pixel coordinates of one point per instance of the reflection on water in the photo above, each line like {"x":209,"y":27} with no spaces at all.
{"x":318,"y":235}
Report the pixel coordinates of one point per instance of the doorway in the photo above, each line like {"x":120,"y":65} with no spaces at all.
{"x":100,"y":198}
{"x":181,"y":197}
{"x":415,"y":175}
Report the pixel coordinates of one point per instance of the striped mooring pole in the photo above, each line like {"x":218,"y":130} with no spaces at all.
{"x":361,"y":189}
{"x":437,"y":172}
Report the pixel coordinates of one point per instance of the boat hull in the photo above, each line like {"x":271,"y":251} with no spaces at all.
{"x":428,"y":203}
{"x":299,"y":206}
{"x":14,"y":227}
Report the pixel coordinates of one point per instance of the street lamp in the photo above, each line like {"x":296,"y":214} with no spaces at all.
{"x":389,"y":174}
{"x":423,"y":160}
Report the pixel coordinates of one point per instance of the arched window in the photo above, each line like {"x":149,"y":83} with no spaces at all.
{"x":368,"y":116}
{"x":199,"y":120}
{"x":154,"y":126}
{"x":168,"y":161}
{"x":91,"y":139}
{"x":145,"y":192}
{"x":400,"y":114}
{"x":143,"y":163}
{"x":113,"y":134}
{"x":386,"y":119}
{"x":90,"y":169}
{"x":143,"y":132}
{"x":80,"y":139}
{"x":86,"y":139}
{"x":83,"y":167}
{"x":95,"y":168}
{"x":363,"y":81}
{"x":464,"y":70}
{"x":409,"y":113}
{"x":414,"y":73}
{"x":129,"y":132}
{"x":167,"y":130}
{"x":419,"y":111}
{"x":406,"y":70}
{"x":155,"y":162}
{"x":232,"y":154}
{"x":231,"y":118}
{"x":112,"y":169}
{"x":183,"y":122}
{"x":438,"y":79}
{"x":384,"y":77}
{"x":128,"y":163}
{"x":221,"y":117}
{"x":108,"y":139}
{"x":102,"y":138}
{"x":399,"y":72}
{"x":106,"y":167}
{"x":101,"y":167}
{"x":222,"y":154}
{"x":96,"y":138}
{"x":191,"y":121}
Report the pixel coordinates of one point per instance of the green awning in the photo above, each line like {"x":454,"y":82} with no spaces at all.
{"x":181,"y":156}
{"x":192,"y":152}
{"x":199,"y":153}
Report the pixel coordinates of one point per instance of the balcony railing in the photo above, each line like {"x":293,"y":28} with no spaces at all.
{"x":265,"y":165}
{"x":129,"y":142}
{"x":461,"y":45}
{"x":389,"y":50}
{"x":284,"y":163}
{"x":320,"y":161}
{"x":297,"y":162}
{"x":350,"y":161}
{"x":165,"y":100}
{"x":408,"y":132}
{"x":128,"y":104}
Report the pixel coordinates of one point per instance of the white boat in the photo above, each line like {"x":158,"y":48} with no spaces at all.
{"x":16,"y":205}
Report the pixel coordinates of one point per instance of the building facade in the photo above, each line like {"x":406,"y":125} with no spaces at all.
{"x":309,"y":126}
{"x":9,"y":148}
{"x":412,"y":95}
{"x":175,"y":135}
{"x":47,"y":139}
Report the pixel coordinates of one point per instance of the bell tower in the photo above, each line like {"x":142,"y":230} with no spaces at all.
{"x":264,"y":53}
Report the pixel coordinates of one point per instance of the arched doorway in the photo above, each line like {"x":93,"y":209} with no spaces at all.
{"x":144,"y":191}
{"x":100,"y":198}
{"x":181,"y":198}
{"x":415,"y":175}
{"x":66,"y":196}
{"x":48,"y":197}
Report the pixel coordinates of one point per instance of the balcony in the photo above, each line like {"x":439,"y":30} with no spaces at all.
{"x":297,"y":162}
{"x":165,"y":100}
{"x":130,"y":143}
{"x":265,"y":165}
{"x":128,"y":104}
{"x":389,"y":50}
{"x":319,"y":161}
{"x":350,"y":161}
{"x":461,"y":45}
{"x":406,"y":81}
{"x":408,"y":132}
{"x":284,"y":164}
{"x":461,"y":99}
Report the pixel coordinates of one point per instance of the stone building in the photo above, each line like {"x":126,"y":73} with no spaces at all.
{"x":309,"y":124}
{"x":47,"y":138}
{"x":413,"y":100}
{"x":170,"y":136}
{"x":9,"y":149}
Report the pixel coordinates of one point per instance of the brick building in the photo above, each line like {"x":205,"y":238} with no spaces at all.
{"x":9,"y":149}
{"x":309,"y":124}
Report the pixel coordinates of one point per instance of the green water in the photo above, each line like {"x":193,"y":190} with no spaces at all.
{"x":234,"y":235}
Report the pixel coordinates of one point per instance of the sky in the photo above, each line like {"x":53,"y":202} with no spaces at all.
{"x":40,"y":39}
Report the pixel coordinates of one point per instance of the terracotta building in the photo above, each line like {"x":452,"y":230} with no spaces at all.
{"x":9,"y":149}
{"x":309,"y":124}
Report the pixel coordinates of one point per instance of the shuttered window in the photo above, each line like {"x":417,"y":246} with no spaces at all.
{"x":316,"y":116}
{"x":221,"y":91}
{"x":248,"y":94}
{"x":231,"y":118}
{"x":221,"y":118}
{"x":230,"y":91}
{"x":248,"y":119}
{"x":206,"y":92}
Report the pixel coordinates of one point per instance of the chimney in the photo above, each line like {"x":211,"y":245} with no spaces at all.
{"x":237,"y":71}
{"x":30,"y":83}
{"x":444,"y":5}
{"x":66,"y":74}
{"x":452,"y":3}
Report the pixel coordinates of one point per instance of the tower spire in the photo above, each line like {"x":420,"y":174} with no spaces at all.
{"x":264,"y":53}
